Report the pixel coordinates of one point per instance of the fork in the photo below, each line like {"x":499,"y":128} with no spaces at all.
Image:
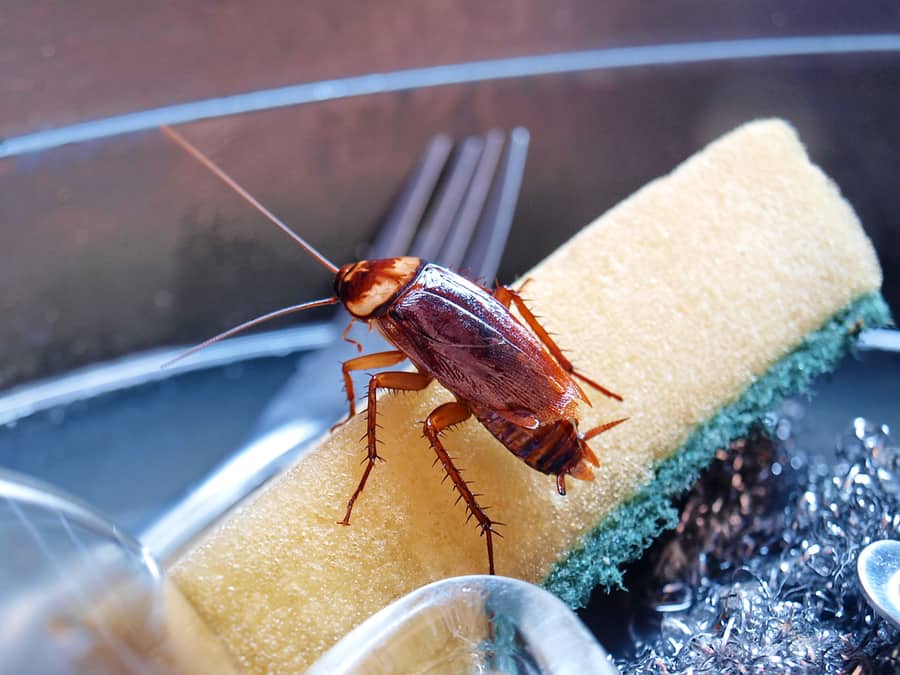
{"x":463,"y":203}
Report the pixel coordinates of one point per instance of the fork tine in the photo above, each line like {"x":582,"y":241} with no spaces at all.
{"x":447,"y":203}
{"x":396,"y":234}
{"x":454,"y":248}
{"x":297,"y":411}
{"x":483,"y":258}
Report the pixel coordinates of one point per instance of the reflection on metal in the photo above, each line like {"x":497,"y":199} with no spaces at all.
{"x":457,"y":73}
{"x":133,"y":371}
{"x":878,"y":568}
{"x":881,"y":339}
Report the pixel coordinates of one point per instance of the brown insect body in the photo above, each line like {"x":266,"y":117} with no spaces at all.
{"x":504,"y":370}
{"x":462,"y":336}
{"x":554,"y":448}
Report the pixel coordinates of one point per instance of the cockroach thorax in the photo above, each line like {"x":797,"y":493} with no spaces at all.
{"x":368,"y":286}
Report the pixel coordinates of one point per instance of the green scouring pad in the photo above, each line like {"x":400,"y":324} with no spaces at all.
{"x":629,"y":529}
{"x":703,"y":299}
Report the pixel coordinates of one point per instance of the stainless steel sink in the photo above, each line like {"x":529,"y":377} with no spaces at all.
{"x":113,"y":249}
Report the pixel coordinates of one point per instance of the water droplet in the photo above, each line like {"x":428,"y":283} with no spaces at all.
{"x":673,"y":597}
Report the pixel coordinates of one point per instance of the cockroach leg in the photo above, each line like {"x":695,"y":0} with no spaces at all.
{"x":376,"y":360}
{"x":508,"y":296}
{"x":391,"y":380}
{"x":441,"y":418}
{"x":345,"y":336}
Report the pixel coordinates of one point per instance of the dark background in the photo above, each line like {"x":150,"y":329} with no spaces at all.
{"x":124,"y":243}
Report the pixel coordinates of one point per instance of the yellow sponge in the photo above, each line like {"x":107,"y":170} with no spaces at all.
{"x":681,"y":299}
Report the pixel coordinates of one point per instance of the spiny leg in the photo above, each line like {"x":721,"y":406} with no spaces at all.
{"x":376,"y":360}
{"x":508,"y":296}
{"x":441,"y":418}
{"x":391,"y":380}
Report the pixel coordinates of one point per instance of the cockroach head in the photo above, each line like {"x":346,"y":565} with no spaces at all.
{"x":367,"y":287}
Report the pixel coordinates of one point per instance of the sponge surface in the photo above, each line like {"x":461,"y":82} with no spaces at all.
{"x":631,"y":527}
{"x":680,"y":299}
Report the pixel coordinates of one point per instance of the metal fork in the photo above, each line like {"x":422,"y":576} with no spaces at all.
{"x":464,"y":201}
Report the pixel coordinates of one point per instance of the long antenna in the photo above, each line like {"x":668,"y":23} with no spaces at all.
{"x":249,"y":324}
{"x":230,"y":182}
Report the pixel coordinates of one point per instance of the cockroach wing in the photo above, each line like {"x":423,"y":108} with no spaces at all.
{"x":472,"y":344}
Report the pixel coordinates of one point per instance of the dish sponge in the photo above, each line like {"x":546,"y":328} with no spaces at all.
{"x":703,"y":299}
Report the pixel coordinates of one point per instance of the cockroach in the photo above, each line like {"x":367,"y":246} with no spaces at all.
{"x":505,"y":371}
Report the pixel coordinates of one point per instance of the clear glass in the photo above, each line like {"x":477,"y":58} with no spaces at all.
{"x":77,"y":594}
{"x":471,"y":624}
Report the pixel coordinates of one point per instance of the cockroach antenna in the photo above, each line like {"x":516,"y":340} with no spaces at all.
{"x":233,"y":184}
{"x":284,"y":311}
{"x":425,"y":311}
